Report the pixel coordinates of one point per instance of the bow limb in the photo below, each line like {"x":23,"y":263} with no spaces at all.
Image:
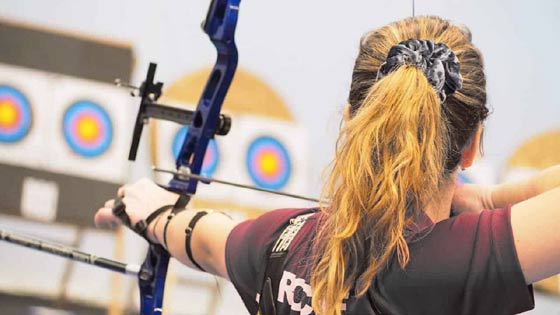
{"x":220,"y":24}
{"x":152,"y":281}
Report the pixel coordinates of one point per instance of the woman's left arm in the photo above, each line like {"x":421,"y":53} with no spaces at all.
{"x":208,"y":238}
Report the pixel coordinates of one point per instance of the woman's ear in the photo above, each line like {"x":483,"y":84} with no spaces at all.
{"x":471,"y":151}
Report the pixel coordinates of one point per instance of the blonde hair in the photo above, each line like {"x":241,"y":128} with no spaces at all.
{"x":391,"y":157}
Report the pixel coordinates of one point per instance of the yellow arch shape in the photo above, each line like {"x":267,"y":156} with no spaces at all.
{"x":538,"y":152}
{"x":248,"y":94}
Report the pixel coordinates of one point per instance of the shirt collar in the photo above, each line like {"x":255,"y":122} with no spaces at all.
{"x":418,"y":228}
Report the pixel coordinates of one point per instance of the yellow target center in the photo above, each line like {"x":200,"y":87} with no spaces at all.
{"x":8,"y":113}
{"x":268,"y":163}
{"x":88,"y":129}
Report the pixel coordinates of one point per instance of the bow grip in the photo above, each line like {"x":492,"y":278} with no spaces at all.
{"x":119,"y":211}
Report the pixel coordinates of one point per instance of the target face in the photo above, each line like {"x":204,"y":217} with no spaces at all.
{"x":15,"y":114}
{"x":211,"y":157}
{"x":87,"y":128}
{"x":268,"y":163}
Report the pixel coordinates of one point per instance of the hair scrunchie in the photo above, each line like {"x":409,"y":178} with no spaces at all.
{"x":436,"y":60}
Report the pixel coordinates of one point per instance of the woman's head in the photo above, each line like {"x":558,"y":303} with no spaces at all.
{"x":402,"y":141}
{"x":464,"y":110}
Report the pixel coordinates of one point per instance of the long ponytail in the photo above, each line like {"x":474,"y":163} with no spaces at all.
{"x":388,"y":164}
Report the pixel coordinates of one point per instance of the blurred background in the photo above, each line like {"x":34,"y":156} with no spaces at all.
{"x":65,"y":129}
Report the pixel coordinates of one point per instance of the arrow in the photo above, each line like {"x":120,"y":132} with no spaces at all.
{"x":185,"y":175}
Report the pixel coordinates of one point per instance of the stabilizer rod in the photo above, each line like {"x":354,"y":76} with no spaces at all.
{"x":70,"y":253}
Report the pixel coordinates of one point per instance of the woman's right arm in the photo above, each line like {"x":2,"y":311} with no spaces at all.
{"x":535,"y":221}
{"x":535,"y":218}
{"x":536,"y":231}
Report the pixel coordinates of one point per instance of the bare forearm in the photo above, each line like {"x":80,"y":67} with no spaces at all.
{"x":515,"y":192}
{"x":207,"y":241}
{"x":207,"y":237}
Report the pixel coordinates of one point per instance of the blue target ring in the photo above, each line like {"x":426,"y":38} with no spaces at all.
{"x":15,"y":114}
{"x":87,"y":128}
{"x":464,"y":179}
{"x":211,"y":157}
{"x":268,"y":163}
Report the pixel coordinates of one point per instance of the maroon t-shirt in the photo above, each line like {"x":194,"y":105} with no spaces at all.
{"x":465,"y":265}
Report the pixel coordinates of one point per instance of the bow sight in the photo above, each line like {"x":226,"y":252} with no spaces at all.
{"x":150,"y":92}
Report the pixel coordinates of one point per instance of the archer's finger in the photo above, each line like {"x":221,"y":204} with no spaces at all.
{"x":105,"y":218}
{"x":122,"y":190}
{"x":110,"y":204}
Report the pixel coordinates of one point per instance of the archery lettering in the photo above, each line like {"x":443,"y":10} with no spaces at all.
{"x":297,"y":294}
{"x":289,"y":285}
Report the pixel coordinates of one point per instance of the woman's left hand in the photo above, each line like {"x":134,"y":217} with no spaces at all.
{"x":140,"y":198}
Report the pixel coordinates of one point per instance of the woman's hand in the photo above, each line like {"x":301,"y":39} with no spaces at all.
{"x":140,"y":198}
{"x":208,"y":243}
{"x":471,"y":198}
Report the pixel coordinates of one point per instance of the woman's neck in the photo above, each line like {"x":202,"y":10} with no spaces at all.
{"x":439,"y":208}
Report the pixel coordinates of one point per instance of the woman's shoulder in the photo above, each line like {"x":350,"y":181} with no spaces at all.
{"x":492,"y":223}
{"x":470,"y":231}
{"x":247,"y":248}
{"x":469,"y":261}
{"x":271,"y":222}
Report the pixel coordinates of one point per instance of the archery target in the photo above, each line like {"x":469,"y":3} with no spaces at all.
{"x":87,"y":128}
{"x":91,"y":125}
{"x":15,"y":114}
{"x":268,"y":163}
{"x":271,"y":154}
{"x":463,"y":178}
{"x":25,"y":96}
{"x":211,"y":158}
{"x":166,"y":141}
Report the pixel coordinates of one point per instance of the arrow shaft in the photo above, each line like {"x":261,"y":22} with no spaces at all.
{"x":224,"y":182}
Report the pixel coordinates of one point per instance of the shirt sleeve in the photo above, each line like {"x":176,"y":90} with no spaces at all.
{"x":247,"y":248}
{"x":495,"y":283}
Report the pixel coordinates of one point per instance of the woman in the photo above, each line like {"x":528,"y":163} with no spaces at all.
{"x":386,"y":242}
